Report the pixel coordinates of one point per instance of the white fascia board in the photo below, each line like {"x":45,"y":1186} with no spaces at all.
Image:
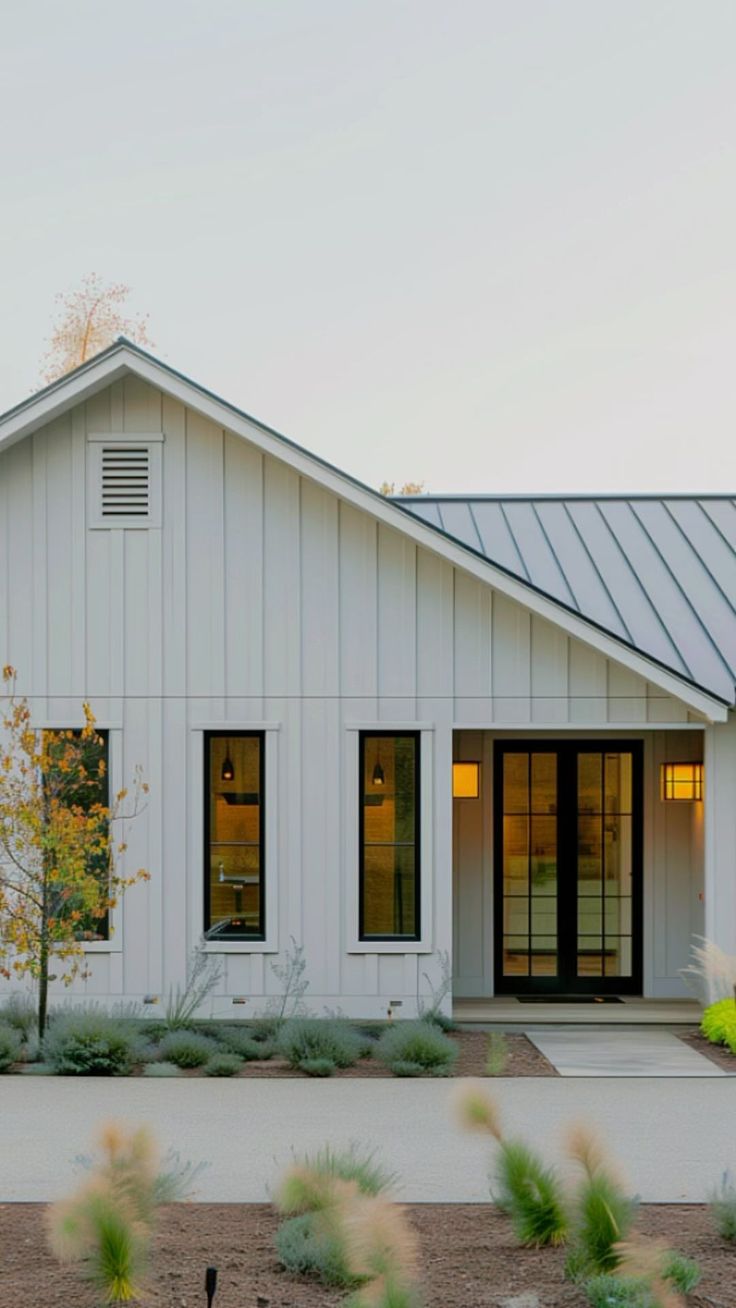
{"x":210,"y":406}
{"x":59,"y":399}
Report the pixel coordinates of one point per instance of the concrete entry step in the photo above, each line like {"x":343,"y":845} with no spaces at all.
{"x":632,"y":1011}
{"x":596,"y":1051}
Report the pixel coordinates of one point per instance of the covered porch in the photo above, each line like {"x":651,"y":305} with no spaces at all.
{"x":578,"y":874}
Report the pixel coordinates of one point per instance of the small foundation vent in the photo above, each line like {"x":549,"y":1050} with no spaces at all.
{"x":125,"y":482}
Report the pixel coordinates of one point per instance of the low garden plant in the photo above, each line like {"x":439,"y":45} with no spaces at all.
{"x":524,"y":1187}
{"x":604,"y":1212}
{"x":223,"y":1064}
{"x":89,"y":1043}
{"x":416,"y":1048}
{"x":723,"y":1208}
{"x":718,"y":1023}
{"x":303,"y":1040}
{"x":161,"y":1069}
{"x":11,"y":1042}
{"x":241,"y":1042}
{"x":108,"y":1223}
{"x":311,"y":1241}
{"x":187,"y":1048}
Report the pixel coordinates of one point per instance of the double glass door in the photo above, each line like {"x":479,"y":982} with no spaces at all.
{"x":568,"y":846}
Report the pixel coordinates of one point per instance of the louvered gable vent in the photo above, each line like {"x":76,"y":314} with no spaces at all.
{"x":126,"y":482}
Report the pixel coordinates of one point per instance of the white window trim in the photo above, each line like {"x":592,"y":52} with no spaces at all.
{"x":351,"y":840}
{"x":96,"y":442}
{"x":197,"y":800}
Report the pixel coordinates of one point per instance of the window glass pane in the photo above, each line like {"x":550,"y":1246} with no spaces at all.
{"x":389,"y":799}
{"x":516,"y":855}
{"x":544,"y":783}
{"x":516,"y":956}
{"x":87,"y":786}
{"x":235,"y":891}
{"x":590,"y":851}
{"x":618,"y":783}
{"x":589,"y":783}
{"x":618,"y":959}
{"x":544,"y":855}
{"x":515,"y":916}
{"x":618,"y":855}
{"x":516,"y":783}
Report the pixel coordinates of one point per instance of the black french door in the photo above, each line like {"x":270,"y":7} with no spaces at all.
{"x":568,"y":867}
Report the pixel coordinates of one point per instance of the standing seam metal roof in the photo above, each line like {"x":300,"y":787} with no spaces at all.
{"x":658,"y":572}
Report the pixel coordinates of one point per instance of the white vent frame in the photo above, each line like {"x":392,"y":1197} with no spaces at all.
{"x":118,"y":442}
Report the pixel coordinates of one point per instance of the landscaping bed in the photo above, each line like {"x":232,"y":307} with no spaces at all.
{"x":469,"y":1257}
{"x":717,"y":1054}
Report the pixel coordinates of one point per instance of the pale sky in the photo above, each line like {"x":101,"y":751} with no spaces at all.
{"x":487,"y":244}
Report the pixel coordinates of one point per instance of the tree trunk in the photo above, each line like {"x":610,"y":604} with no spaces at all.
{"x":43,"y":985}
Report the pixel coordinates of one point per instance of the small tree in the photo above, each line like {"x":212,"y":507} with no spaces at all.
{"x":58,"y":850}
{"x":89,"y":319}
{"x":408,"y":488}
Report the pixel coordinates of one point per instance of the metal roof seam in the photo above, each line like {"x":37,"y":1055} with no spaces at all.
{"x":599,"y":575}
{"x":703,"y":626}
{"x":643,"y":591}
{"x":555,"y":556}
{"x":519,"y":555}
{"x":475,"y":524}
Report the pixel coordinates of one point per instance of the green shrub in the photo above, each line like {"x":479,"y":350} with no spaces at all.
{"x":89,"y":1044}
{"x":243,"y":1044}
{"x":417,"y":1042}
{"x":303,"y":1039}
{"x":682,"y":1272}
{"x":608,"y":1291}
{"x":187,"y":1048}
{"x":10,"y":1044}
{"x":161,"y":1069}
{"x":497,"y":1054}
{"x":530,"y":1194}
{"x":719,"y":1023}
{"x":723,"y":1208}
{"x":307,"y":1246}
{"x":437,"y":1018}
{"x":265,"y":1028}
{"x":603,"y":1218}
{"x":19,"y":1011}
{"x":223,"y":1065}
{"x":309,"y":1242}
{"x":402,"y":1067}
{"x":318,"y":1067}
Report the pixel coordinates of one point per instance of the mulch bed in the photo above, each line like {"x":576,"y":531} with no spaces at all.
{"x":717,"y":1054}
{"x":469,"y":1257}
{"x":524,"y":1059}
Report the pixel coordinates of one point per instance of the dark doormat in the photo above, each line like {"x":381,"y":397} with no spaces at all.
{"x":569,"y":999}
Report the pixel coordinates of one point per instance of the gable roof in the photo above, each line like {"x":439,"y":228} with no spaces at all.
{"x":424,"y":519}
{"x":657,"y":572}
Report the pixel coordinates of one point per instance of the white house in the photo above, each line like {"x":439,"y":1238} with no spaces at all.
{"x":300,"y":664}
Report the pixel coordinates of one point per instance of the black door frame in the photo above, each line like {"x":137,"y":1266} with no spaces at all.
{"x":566,"y":982}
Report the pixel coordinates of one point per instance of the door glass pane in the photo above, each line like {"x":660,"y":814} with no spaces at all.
{"x":605,"y":863}
{"x":530,"y":863}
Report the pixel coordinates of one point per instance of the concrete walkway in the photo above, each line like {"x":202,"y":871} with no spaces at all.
{"x":668,"y":1134}
{"x":589,"y":1051}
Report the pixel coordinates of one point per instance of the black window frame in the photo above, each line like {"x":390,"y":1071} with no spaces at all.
{"x":231,"y":937}
{"x":388,"y":734}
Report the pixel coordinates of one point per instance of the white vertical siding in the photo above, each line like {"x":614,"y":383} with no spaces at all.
{"x":264,"y":598}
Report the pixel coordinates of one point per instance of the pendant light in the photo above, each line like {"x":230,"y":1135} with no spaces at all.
{"x":228,"y":770}
{"x":378,"y":777}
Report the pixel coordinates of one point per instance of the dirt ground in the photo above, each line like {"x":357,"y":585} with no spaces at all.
{"x":717,"y":1054}
{"x":523,"y":1060}
{"x":468,"y":1254}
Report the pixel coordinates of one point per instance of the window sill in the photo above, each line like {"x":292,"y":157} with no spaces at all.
{"x":101,"y":946}
{"x":389,"y":947}
{"x":240,"y":947}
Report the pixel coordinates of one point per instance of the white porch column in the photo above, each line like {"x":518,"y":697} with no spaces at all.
{"x":720,"y":834}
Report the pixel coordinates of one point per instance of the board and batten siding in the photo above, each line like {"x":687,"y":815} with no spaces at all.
{"x":265,"y":600}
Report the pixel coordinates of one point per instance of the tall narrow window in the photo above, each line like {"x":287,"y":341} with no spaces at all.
{"x":389,"y":836}
{"x":84,"y":788}
{"x":234,"y":864}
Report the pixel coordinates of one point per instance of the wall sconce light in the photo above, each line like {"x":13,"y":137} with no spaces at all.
{"x":465,"y":780}
{"x":681,"y":781}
